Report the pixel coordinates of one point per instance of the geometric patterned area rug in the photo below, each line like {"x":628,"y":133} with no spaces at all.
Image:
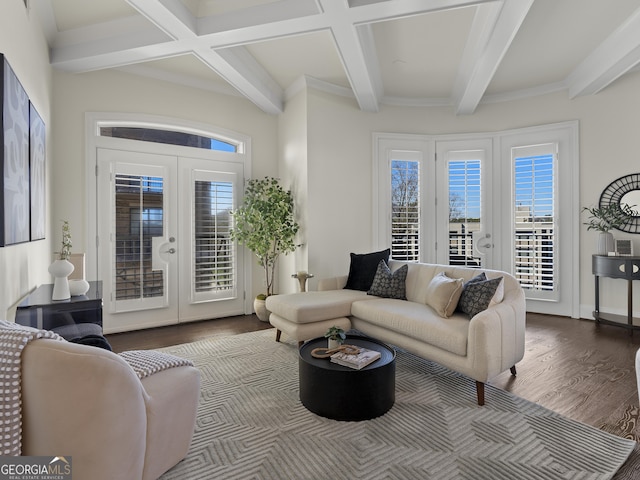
{"x":251,"y":425}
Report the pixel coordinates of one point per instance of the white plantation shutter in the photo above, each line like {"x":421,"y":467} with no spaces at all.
{"x":534,"y":219}
{"x":464,"y":210}
{"x":214,"y":276}
{"x":405,"y":210}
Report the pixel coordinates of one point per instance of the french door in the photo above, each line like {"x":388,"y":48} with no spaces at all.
{"x":464,"y":191}
{"x":164,"y":252}
{"x":438,"y":193}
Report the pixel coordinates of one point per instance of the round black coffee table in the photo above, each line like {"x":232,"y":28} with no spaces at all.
{"x":342,"y":393}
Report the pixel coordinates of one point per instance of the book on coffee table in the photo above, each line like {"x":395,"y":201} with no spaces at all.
{"x":358,"y":361}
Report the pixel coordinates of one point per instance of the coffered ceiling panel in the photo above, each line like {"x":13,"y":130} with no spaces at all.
{"x":419,"y":55}
{"x":313,"y":54}
{"x":554,"y":38}
{"x":71,"y":14}
{"x":410,"y":52}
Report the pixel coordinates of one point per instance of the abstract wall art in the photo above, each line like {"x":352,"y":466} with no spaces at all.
{"x":14,"y":130}
{"x":37,"y":149}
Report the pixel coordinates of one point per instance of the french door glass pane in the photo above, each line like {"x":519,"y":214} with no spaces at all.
{"x":534,"y":222}
{"x":214,"y":250}
{"x":139,"y":217}
{"x":464,"y":211}
{"x":405,"y":210}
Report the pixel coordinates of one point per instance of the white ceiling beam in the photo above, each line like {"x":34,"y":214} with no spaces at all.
{"x":170,"y":16}
{"x":476,"y":79}
{"x":483,"y":24}
{"x":370,"y":11}
{"x":351,"y":43}
{"x":118,"y":44}
{"x":615,"y":56}
{"x":236,"y":66}
{"x":116,"y":51}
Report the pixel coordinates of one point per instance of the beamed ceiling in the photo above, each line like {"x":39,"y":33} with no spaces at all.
{"x":454,"y":53}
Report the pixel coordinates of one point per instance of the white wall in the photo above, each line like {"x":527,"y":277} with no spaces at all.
{"x":292,"y":168}
{"x":340,"y":158}
{"x":112,"y":91}
{"x":24,"y":266}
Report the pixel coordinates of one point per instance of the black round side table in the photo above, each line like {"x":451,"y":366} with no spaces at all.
{"x":342,"y":393}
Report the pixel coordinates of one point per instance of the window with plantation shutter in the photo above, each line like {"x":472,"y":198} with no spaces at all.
{"x":214,"y":276}
{"x":464,"y":210}
{"x":506,"y":201}
{"x":534,"y":217}
{"x":405,"y":210}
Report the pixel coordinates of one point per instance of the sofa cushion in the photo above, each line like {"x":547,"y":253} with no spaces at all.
{"x":314,"y":306}
{"x":363,"y":269}
{"x":443,"y":293}
{"x":389,"y":284}
{"x":416,"y":320}
{"x":477,"y":294}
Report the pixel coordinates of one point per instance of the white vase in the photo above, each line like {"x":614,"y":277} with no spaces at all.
{"x":61,"y":269}
{"x":333,"y":344}
{"x":260,"y":308}
{"x":605,"y":244}
{"x":78,"y":287}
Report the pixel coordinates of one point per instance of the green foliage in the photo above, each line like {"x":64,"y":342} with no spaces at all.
{"x":265,"y":224}
{"x":65,"y":252}
{"x":337,"y":334}
{"x":608,"y":217}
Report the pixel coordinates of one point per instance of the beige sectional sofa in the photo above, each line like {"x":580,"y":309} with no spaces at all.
{"x":480,"y":347}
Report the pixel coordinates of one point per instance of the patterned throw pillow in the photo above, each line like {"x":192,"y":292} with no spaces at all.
{"x":443,"y":294}
{"x":389,"y":285}
{"x":477,"y":294}
{"x":363,"y":268}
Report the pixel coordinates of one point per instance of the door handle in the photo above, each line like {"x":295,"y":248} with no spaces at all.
{"x":171,"y":250}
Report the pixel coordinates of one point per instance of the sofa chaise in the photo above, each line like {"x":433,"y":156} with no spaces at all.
{"x":477,"y":342}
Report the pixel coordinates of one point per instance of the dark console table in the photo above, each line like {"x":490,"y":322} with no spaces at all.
{"x":39,"y":311}
{"x":626,"y":268}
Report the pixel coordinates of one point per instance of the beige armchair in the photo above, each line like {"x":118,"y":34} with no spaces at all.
{"x":88,"y":403}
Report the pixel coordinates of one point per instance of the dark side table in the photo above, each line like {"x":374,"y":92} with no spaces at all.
{"x":342,"y":393}
{"x":39,"y":311}
{"x":622,"y":267}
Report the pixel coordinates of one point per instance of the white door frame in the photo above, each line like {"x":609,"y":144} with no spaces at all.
{"x":93,"y":141}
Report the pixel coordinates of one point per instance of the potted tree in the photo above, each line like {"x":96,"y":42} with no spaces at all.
{"x":265,"y":224}
{"x":604,"y":219}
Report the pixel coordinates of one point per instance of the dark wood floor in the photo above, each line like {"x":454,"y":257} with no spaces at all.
{"x":574,"y":367}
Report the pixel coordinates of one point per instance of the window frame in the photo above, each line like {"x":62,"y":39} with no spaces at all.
{"x":565,"y":134}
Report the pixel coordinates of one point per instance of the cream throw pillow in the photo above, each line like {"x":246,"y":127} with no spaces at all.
{"x":443,"y":294}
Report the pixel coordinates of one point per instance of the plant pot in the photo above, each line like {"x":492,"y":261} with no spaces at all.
{"x":260,"y":308}
{"x":333,"y":344}
{"x":605,"y":244}
{"x":61,"y":269}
